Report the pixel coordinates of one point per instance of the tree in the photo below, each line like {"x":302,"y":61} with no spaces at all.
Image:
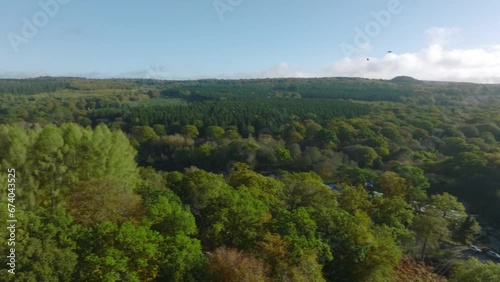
{"x":364,"y":155}
{"x":275,"y":251}
{"x":326,"y":136}
{"x":283,"y":155}
{"x":310,"y":157}
{"x":102,"y":199}
{"x":102,"y":153}
{"x":45,"y":246}
{"x":465,"y":164}
{"x":354,"y":176}
{"x":345,"y":132}
{"x":167,"y":216}
{"x":215,"y":132}
{"x":190,"y":130}
{"x":198,"y":188}
{"x":360,"y":252}
{"x":416,"y":179}
{"x":455,"y":146}
{"x":448,"y":205}
{"x":266,"y":189}
{"x":234,"y":219}
{"x":393,"y":185}
{"x":47,"y":165}
{"x":468,"y":229}
{"x":473,"y":270}
{"x":306,"y":189}
{"x":395,"y":213}
{"x":160,"y":129}
{"x":232,"y":134}
{"x":429,"y":229}
{"x":354,"y":199}
{"x":183,"y":259}
{"x":143,"y":133}
{"x":234,"y":266}
{"x":312,"y":128}
{"x":299,"y":230}
{"x":60,"y":157}
{"x":293,"y":136}
{"x":119,"y":253}
{"x":223,"y":215}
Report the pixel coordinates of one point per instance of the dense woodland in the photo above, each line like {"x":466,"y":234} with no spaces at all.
{"x":324,"y":179}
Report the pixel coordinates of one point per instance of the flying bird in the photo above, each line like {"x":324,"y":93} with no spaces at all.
{"x":389,"y":51}
{"x":367,"y":59}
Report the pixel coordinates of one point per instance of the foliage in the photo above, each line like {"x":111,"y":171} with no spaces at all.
{"x":474,"y":270}
{"x":232,"y":173}
{"x":231,"y":265}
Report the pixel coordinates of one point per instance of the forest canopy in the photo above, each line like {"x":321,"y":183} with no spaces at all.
{"x":322,"y":179}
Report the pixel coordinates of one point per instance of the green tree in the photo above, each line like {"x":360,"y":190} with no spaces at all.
{"x":283,"y":155}
{"x":182,"y":259}
{"x":430,"y":229}
{"x":447,"y":205}
{"x":395,"y":213}
{"x":306,"y":189}
{"x":392,"y":185}
{"x":354,"y":199}
{"x":468,"y":229}
{"x":190,"y":130}
{"x":364,"y":155}
{"x":354,"y":176}
{"x":360,"y":252}
{"x":465,"y":164}
{"x":143,"y":133}
{"x":223,"y":215}
{"x":455,"y":146}
{"x":160,"y":129}
{"x":326,"y":136}
{"x":266,"y":189}
{"x":417,"y":181}
{"x":299,"y":230}
{"x":234,"y":219}
{"x":473,"y":270}
{"x":45,"y":247}
{"x":117,"y":253}
{"x":312,"y":128}
{"x":215,"y":132}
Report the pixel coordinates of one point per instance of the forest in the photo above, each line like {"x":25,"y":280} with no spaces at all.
{"x":289,"y":179}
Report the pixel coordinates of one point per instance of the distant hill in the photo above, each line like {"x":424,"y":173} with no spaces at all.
{"x":405,"y":79}
{"x":398,"y":89}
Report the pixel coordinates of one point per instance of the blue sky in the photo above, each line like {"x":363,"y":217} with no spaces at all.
{"x":187,"y":39}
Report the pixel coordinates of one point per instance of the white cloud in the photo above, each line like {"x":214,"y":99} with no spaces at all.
{"x":435,"y":62}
